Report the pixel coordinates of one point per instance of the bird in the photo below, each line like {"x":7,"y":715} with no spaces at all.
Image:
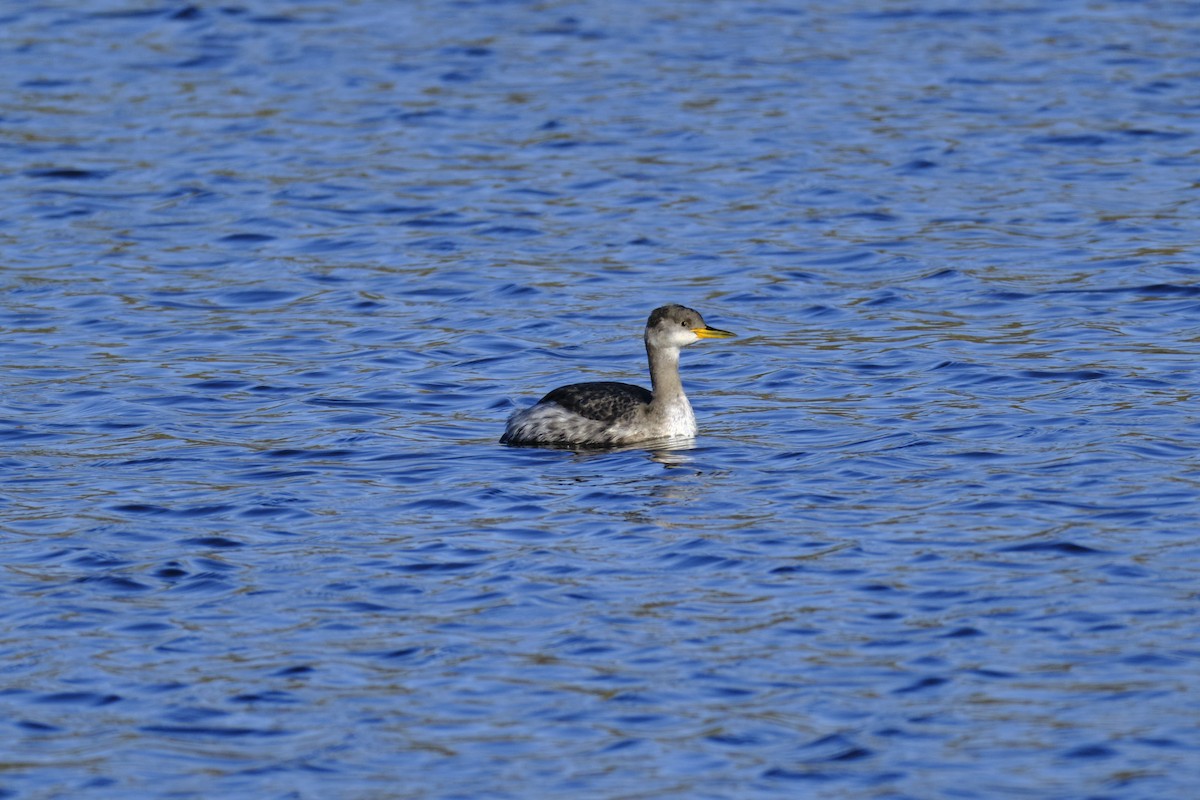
{"x":611,"y":414}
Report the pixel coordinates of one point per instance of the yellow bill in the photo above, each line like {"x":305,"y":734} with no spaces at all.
{"x":712,"y":333}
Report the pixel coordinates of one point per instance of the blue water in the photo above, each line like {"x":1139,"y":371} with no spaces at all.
{"x":274,"y":276}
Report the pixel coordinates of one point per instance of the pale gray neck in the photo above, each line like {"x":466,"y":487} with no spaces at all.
{"x":664,"y":374}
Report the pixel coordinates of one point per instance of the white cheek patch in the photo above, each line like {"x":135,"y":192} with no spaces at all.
{"x":676,"y":337}
{"x":686,"y":337}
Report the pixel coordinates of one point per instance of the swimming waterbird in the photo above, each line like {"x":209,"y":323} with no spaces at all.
{"x":609,"y":414}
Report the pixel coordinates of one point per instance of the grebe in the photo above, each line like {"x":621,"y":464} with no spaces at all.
{"x":608,"y":414}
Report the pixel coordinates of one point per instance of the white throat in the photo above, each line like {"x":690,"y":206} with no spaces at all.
{"x":677,"y":418}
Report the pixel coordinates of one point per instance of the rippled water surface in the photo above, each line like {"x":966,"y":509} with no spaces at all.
{"x":274,"y":275}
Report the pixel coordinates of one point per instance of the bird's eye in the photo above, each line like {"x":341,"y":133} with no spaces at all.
{"x":684,"y":324}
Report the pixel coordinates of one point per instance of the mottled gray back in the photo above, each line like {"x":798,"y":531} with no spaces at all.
{"x":600,"y":400}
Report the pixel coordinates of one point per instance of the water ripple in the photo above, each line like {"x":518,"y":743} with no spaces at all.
{"x":274,"y":278}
